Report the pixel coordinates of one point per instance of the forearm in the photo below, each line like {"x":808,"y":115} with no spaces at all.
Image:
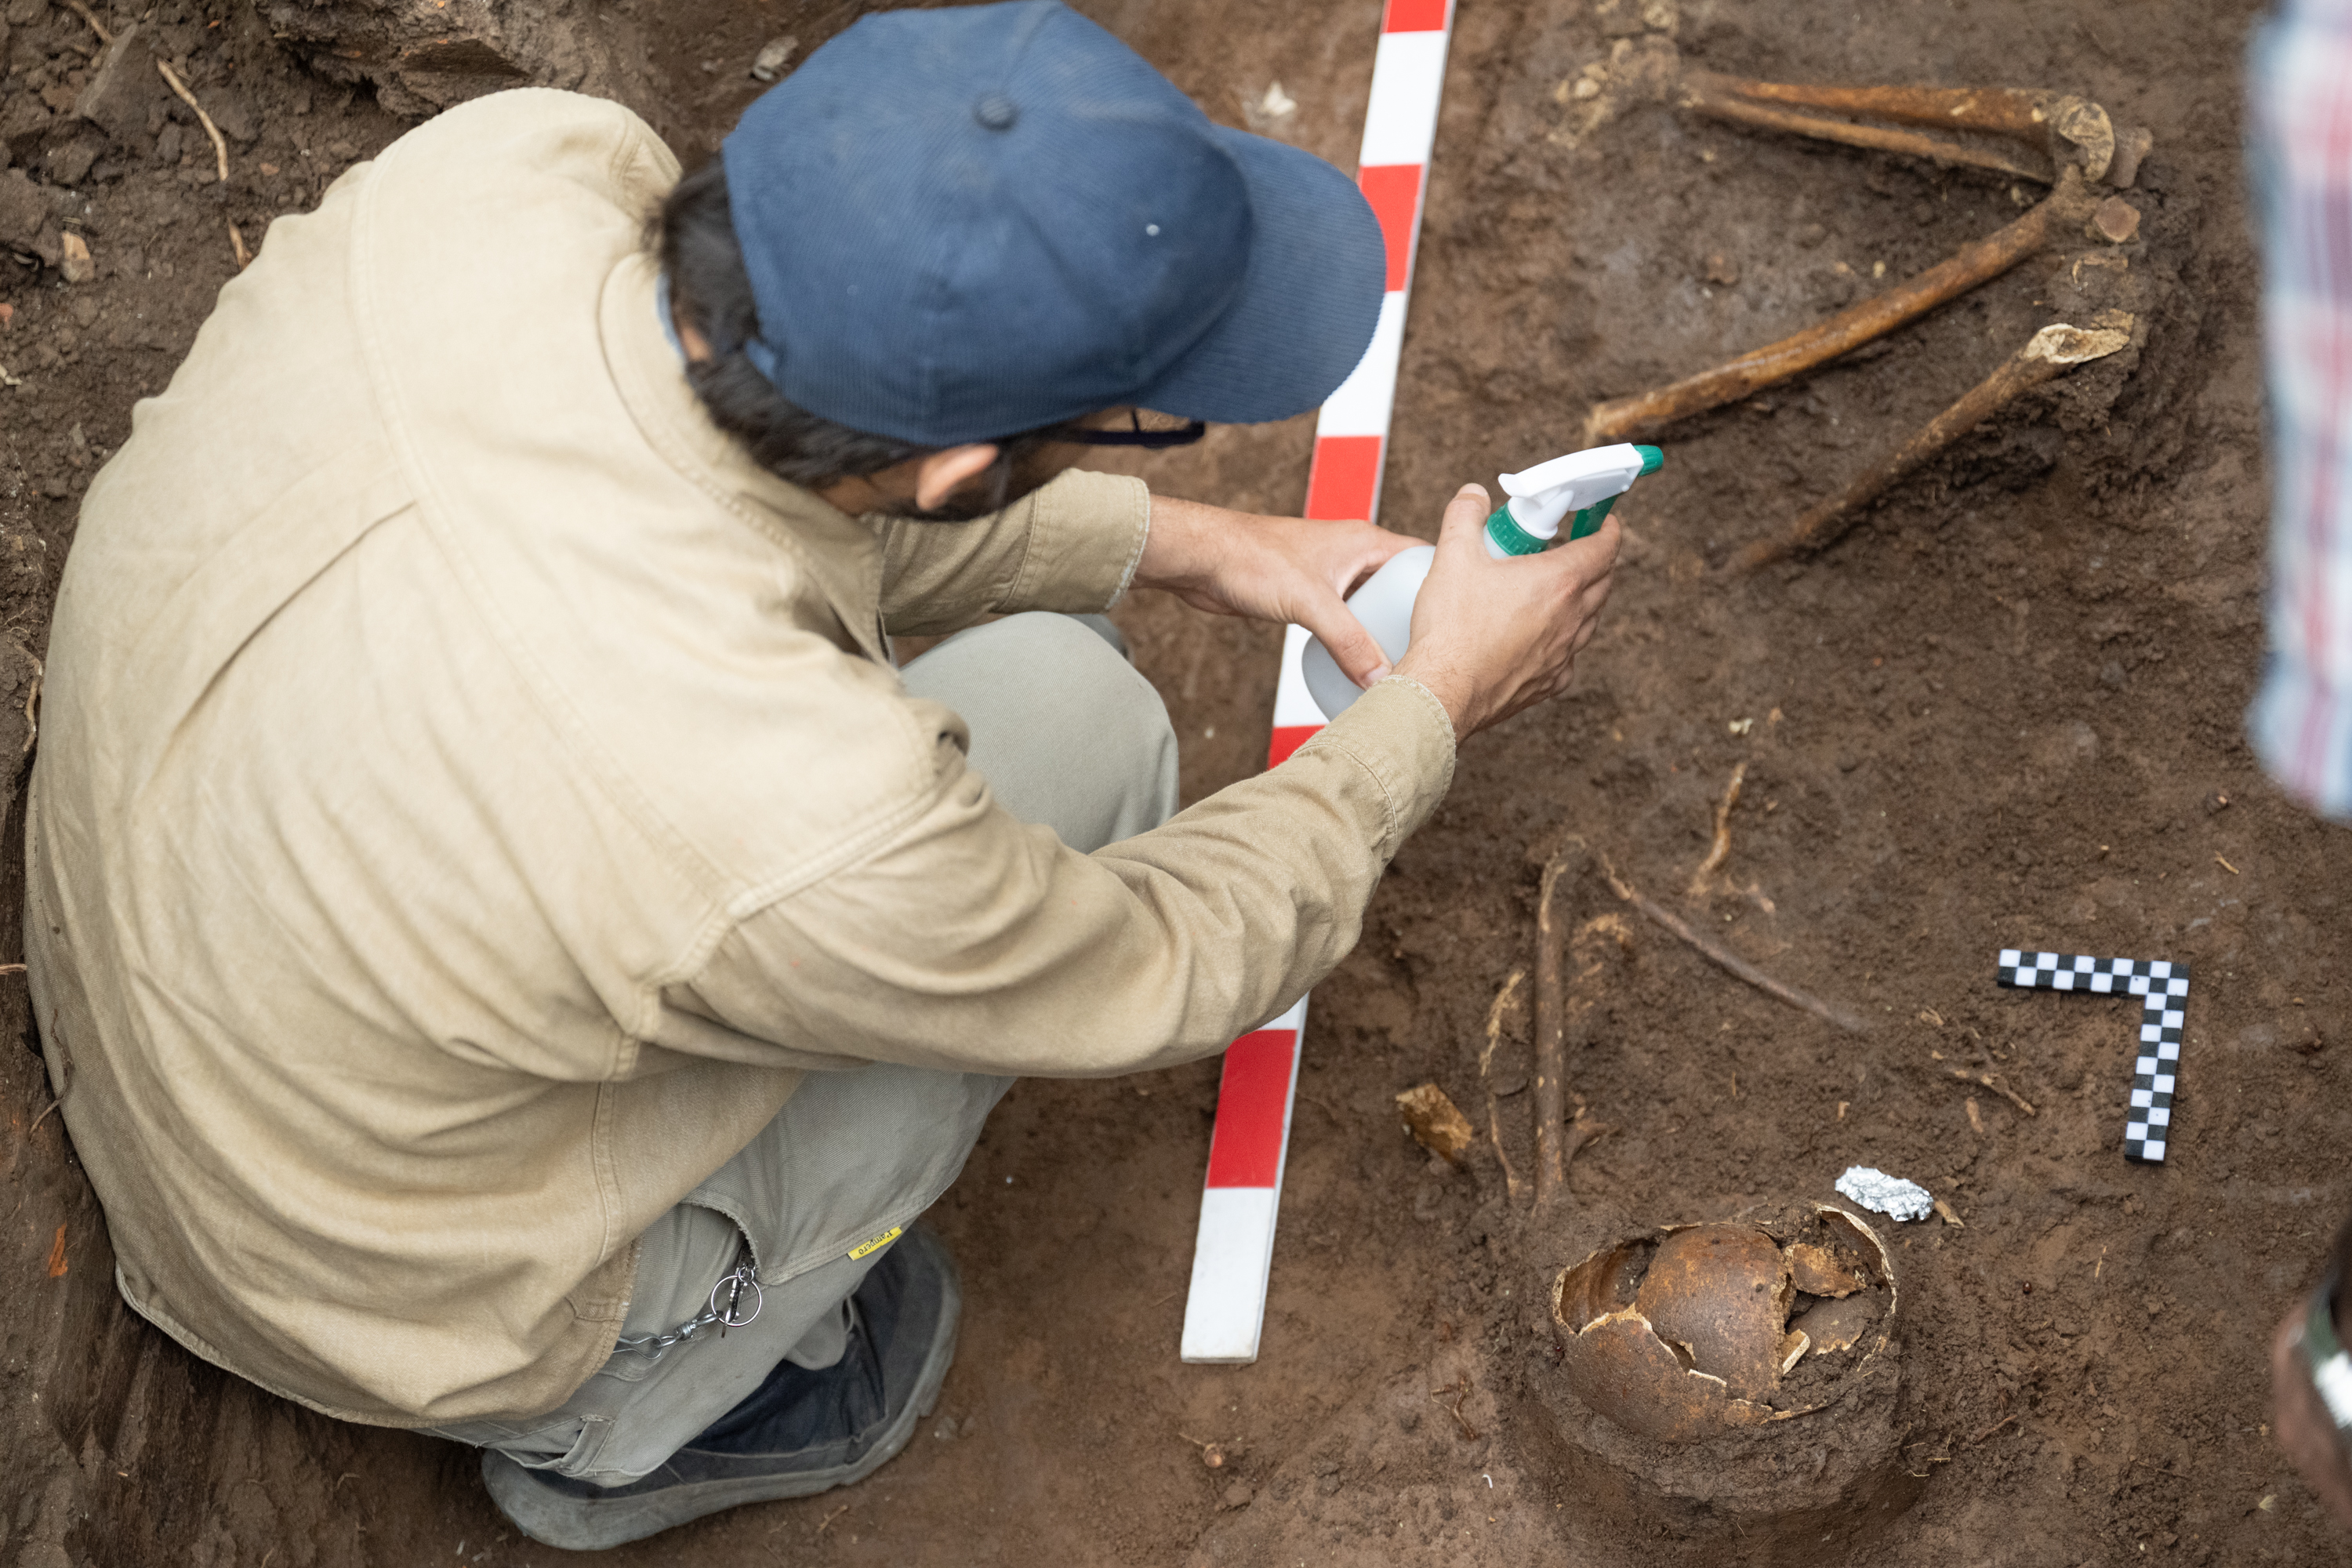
{"x":974,"y":943}
{"x":1073,"y":545}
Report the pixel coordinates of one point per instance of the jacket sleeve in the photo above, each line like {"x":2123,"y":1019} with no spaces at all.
{"x":969,"y":941}
{"x":1070,"y":545}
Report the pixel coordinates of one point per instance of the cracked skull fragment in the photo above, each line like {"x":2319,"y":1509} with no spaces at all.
{"x":1689,"y":1330}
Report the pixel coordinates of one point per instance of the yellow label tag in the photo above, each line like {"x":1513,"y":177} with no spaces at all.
{"x":885,"y":1240}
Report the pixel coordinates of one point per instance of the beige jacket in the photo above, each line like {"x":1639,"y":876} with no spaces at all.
{"x":471,"y":796}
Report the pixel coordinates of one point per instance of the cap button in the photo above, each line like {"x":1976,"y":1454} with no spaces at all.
{"x":996,"y":112}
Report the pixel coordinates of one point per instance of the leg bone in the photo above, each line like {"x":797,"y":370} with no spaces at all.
{"x":2053,"y":351}
{"x":1646,"y":413}
{"x":2058,"y":129}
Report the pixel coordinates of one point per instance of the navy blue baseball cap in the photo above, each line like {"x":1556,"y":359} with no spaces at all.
{"x":964,"y":223}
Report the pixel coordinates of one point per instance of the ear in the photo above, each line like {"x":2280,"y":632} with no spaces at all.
{"x":943,"y":473}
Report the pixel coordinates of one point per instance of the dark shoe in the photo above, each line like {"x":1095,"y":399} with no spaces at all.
{"x":798,"y":1434}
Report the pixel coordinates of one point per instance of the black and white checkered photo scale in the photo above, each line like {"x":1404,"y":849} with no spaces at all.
{"x":2163,"y":989}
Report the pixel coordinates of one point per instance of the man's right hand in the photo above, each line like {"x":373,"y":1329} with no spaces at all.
{"x":1491,"y":637}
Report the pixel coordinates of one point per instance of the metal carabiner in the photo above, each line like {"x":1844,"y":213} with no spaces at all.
{"x":733,"y":1284}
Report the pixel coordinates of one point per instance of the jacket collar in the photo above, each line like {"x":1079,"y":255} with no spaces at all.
{"x":839,"y":555}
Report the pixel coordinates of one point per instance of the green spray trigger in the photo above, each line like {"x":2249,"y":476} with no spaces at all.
{"x":1589,"y":520}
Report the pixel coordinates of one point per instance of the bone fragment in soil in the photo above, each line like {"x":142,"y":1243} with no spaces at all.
{"x":1834,"y":1326}
{"x":1721,"y":1294}
{"x":2051,"y":352}
{"x":1436,"y":1123}
{"x":1495,"y":1015}
{"x":1686,"y":1332}
{"x":1551,"y":1025}
{"x":1816,"y":1271}
{"x":1720,"y":851}
{"x":1648,"y":413}
{"x":2015,"y":130}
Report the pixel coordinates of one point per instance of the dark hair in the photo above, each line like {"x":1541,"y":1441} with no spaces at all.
{"x":694,"y":236}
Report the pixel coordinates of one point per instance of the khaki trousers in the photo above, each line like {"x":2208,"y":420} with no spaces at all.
{"x":1067,"y":735}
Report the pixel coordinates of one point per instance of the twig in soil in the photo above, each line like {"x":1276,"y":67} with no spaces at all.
{"x":1647,"y":413}
{"x":1730,"y":963}
{"x":84,"y":12}
{"x":1460,"y":1391}
{"x":220,"y":148}
{"x":1986,"y":1080}
{"x":1721,"y":850}
{"x":1990,"y":1430}
{"x":2226,"y":867}
{"x":236,"y":243}
{"x":828,"y":1519}
{"x":2051,"y":351}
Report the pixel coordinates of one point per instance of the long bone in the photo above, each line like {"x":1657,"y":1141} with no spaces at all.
{"x":2059,"y":129}
{"x":1646,"y":413}
{"x":2052,"y":352}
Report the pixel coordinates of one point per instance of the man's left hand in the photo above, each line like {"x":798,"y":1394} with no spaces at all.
{"x":1283,"y":569}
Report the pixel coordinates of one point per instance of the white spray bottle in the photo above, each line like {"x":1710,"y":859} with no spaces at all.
{"x":1585,"y":483}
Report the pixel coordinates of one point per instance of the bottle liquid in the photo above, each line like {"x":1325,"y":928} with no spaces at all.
{"x":1583,"y":485}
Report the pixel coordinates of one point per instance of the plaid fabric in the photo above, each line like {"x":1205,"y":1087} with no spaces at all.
{"x":2299,"y":106}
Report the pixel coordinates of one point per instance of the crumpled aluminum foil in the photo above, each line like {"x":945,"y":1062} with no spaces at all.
{"x":1887,"y":1195}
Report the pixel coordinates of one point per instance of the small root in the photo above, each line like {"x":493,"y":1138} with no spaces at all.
{"x":1986,"y":1080}
{"x":1990,"y":1430}
{"x":1459,"y":1390}
{"x":84,"y":12}
{"x":1729,"y":963}
{"x":1721,"y":850}
{"x":220,"y":147}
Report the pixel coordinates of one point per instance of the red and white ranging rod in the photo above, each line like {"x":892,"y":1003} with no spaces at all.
{"x":1226,"y":1307}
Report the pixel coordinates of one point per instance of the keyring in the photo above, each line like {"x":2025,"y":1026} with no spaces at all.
{"x":725,"y":1316}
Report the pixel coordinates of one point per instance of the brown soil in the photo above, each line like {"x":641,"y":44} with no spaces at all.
{"x":2006,"y":711}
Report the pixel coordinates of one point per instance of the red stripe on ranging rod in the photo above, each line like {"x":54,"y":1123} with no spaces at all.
{"x":1394,"y":192}
{"x":1346,"y":474}
{"x":1245,"y":1151}
{"x":1288,"y":738}
{"x":1414,"y":17}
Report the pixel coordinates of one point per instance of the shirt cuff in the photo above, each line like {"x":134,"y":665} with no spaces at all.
{"x":1399,"y":732}
{"x":1085,"y":534}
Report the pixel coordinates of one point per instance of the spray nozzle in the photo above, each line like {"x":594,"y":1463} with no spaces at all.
{"x":1586,"y":483}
